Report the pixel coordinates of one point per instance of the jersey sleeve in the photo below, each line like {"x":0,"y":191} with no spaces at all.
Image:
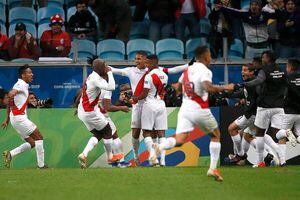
{"x":206,"y":76}
{"x":147,"y":81}
{"x":18,"y":87}
{"x":121,"y":72}
{"x":106,"y":94}
{"x":177,"y":69}
{"x":102,"y":84}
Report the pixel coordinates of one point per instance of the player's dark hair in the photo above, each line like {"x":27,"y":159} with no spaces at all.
{"x":257,"y":59}
{"x":250,"y":67}
{"x":153,"y":58}
{"x":200,"y":51}
{"x":22,"y":69}
{"x":271,"y":55}
{"x":294,"y":63}
{"x":143,"y":53}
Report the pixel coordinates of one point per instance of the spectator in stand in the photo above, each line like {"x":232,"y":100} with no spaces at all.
{"x":55,"y":42}
{"x":272,"y":25}
{"x":162,"y":18}
{"x":82,"y":25}
{"x":3,"y":98}
{"x":220,"y":27}
{"x":289,"y":30}
{"x":114,"y":17}
{"x":188,"y":15}
{"x":255,"y":27}
{"x":3,"y":46}
{"x":22,"y":44}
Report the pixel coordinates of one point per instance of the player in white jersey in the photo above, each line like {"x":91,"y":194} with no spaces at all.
{"x":197,"y":84}
{"x":136,"y":77}
{"x":105,"y":107}
{"x":17,"y":115}
{"x":90,"y":115}
{"x":154,"y":112}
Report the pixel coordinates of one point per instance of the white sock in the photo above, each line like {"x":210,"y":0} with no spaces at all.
{"x":269,"y":141}
{"x":281,"y":152}
{"x":169,"y":143}
{"x":39,"y":148}
{"x":281,"y":134}
{"x":155,"y":140}
{"x":245,"y":145}
{"x":253,"y":143}
{"x":23,"y":147}
{"x":214,"y":150}
{"x":90,"y":145}
{"x":260,"y":147}
{"x":237,"y":143}
{"x":108,"y":147}
{"x":149,"y":143}
{"x":298,"y":139}
{"x":162,"y":152}
{"x":117,"y":147}
{"x":136,"y":146}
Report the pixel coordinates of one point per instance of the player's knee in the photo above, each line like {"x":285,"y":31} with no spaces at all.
{"x":248,"y":137}
{"x":232,"y":129}
{"x":115,"y":135}
{"x":107,"y":132}
{"x":260,"y":132}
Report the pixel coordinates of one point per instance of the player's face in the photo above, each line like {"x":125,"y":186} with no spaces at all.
{"x":207,"y":58}
{"x":254,"y":7}
{"x":290,"y":6}
{"x":140,"y":61}
{"x":265,"y":59}
{"x":27,"y":75}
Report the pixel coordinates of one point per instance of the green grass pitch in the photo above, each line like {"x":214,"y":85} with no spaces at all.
{"x":150,"y":183}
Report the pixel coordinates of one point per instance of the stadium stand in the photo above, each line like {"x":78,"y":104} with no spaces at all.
{"x":236,"y":49}
{"x":170,"y":49}
{"x":44,"y":14}
{"x":86,"y":48}
{"x":29,"y":27}
{"x":192,"y":44}
{"x":55,"y":3}
{"x":22,"y":60}
{"x":2,"y":15}
{"x":137,"y":45}
{"x":17,"y":15}
{"x":111,"y":49}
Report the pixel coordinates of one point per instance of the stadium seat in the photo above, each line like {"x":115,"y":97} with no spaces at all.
{"x":111,"y":49}
{"x":2,"y":16}
{"x":70,"y":3}
{"x":72,"y":10}
{"x":139,"y":45}
{"x":22,"y":60}
{"x":17,"y":3}
{"x":55,"y":3}
{"x":192,"y":44}
{"x":2,"y":60}
{"x":236,"y":49}
{"x":41,"y":29}
{"x":29,"y":27}
{"x":204,"y":27}
{"x":44,"y":14}
{"x":139,"y":30}
{"x":170,"y":49}
{"x":3,"y":29}
{"x":86,"y":48}
{"x":245,"y":4}
{"x":2,"y":3}
{"x":17,"y":15}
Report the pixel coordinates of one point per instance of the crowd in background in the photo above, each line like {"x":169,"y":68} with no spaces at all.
{"x":274,"y":24}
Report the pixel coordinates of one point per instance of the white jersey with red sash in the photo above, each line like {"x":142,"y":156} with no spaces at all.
{"x":106,"y":95}
{"x":154,"y":113}
{"x":18,"y":114}
{"x":194,"y":111}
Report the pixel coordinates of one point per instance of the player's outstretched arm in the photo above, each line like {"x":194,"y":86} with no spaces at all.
{"x":110,"y":85}
{"x":121,"y":72}
{"x":112,"y":108}
{"x":177,"y":69}
{"x":211,"y":88}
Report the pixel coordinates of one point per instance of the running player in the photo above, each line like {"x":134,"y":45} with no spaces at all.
{"x":154,"y":112}
{"x":90,"y":115}
{"x":291,"y":101}
{"x":17,"y":115}
{"x":136,"y":77}
{"x":197,"y":84}
{"x":105,"y":107}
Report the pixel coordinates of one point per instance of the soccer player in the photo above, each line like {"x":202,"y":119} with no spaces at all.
{"x":270,"y":106}
{"x":90,"y":115}
{"x":291,"y":101}
{"x":197,"y":84}
{"x":105,"y":107}
{"x":17,"y":115}
{"x":136,"y":77}
{"x":154,"y":112}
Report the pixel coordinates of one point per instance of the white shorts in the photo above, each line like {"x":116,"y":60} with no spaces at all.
{"x":136,"y":116}
{"x":154,"y":115}
{"x":246,"y":124}
{"x":23,"y":125}
{"x":93,"y":120}
{"x":112,"y":125}
{"x":291,"y":120}
{"x":265,"y":116}
{"x":189,"y":118}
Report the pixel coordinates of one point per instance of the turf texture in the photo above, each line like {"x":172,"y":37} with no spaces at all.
{"x":150,"y":183}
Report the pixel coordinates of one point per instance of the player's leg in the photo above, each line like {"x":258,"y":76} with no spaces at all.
{"x":39,"y":147}
{"x":285,"y":131}
{"x":233,"y":130}
{"x":162,"y":139}
{"x":136,"y":130}
{"x":296,"y":129}
{"x":118,"y":149}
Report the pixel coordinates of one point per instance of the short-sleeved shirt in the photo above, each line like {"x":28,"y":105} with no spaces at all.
{"x":105,"y":94}
{"x":21,"y":98}
{"x":198,"y":73}
{"x":155,"y":81}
